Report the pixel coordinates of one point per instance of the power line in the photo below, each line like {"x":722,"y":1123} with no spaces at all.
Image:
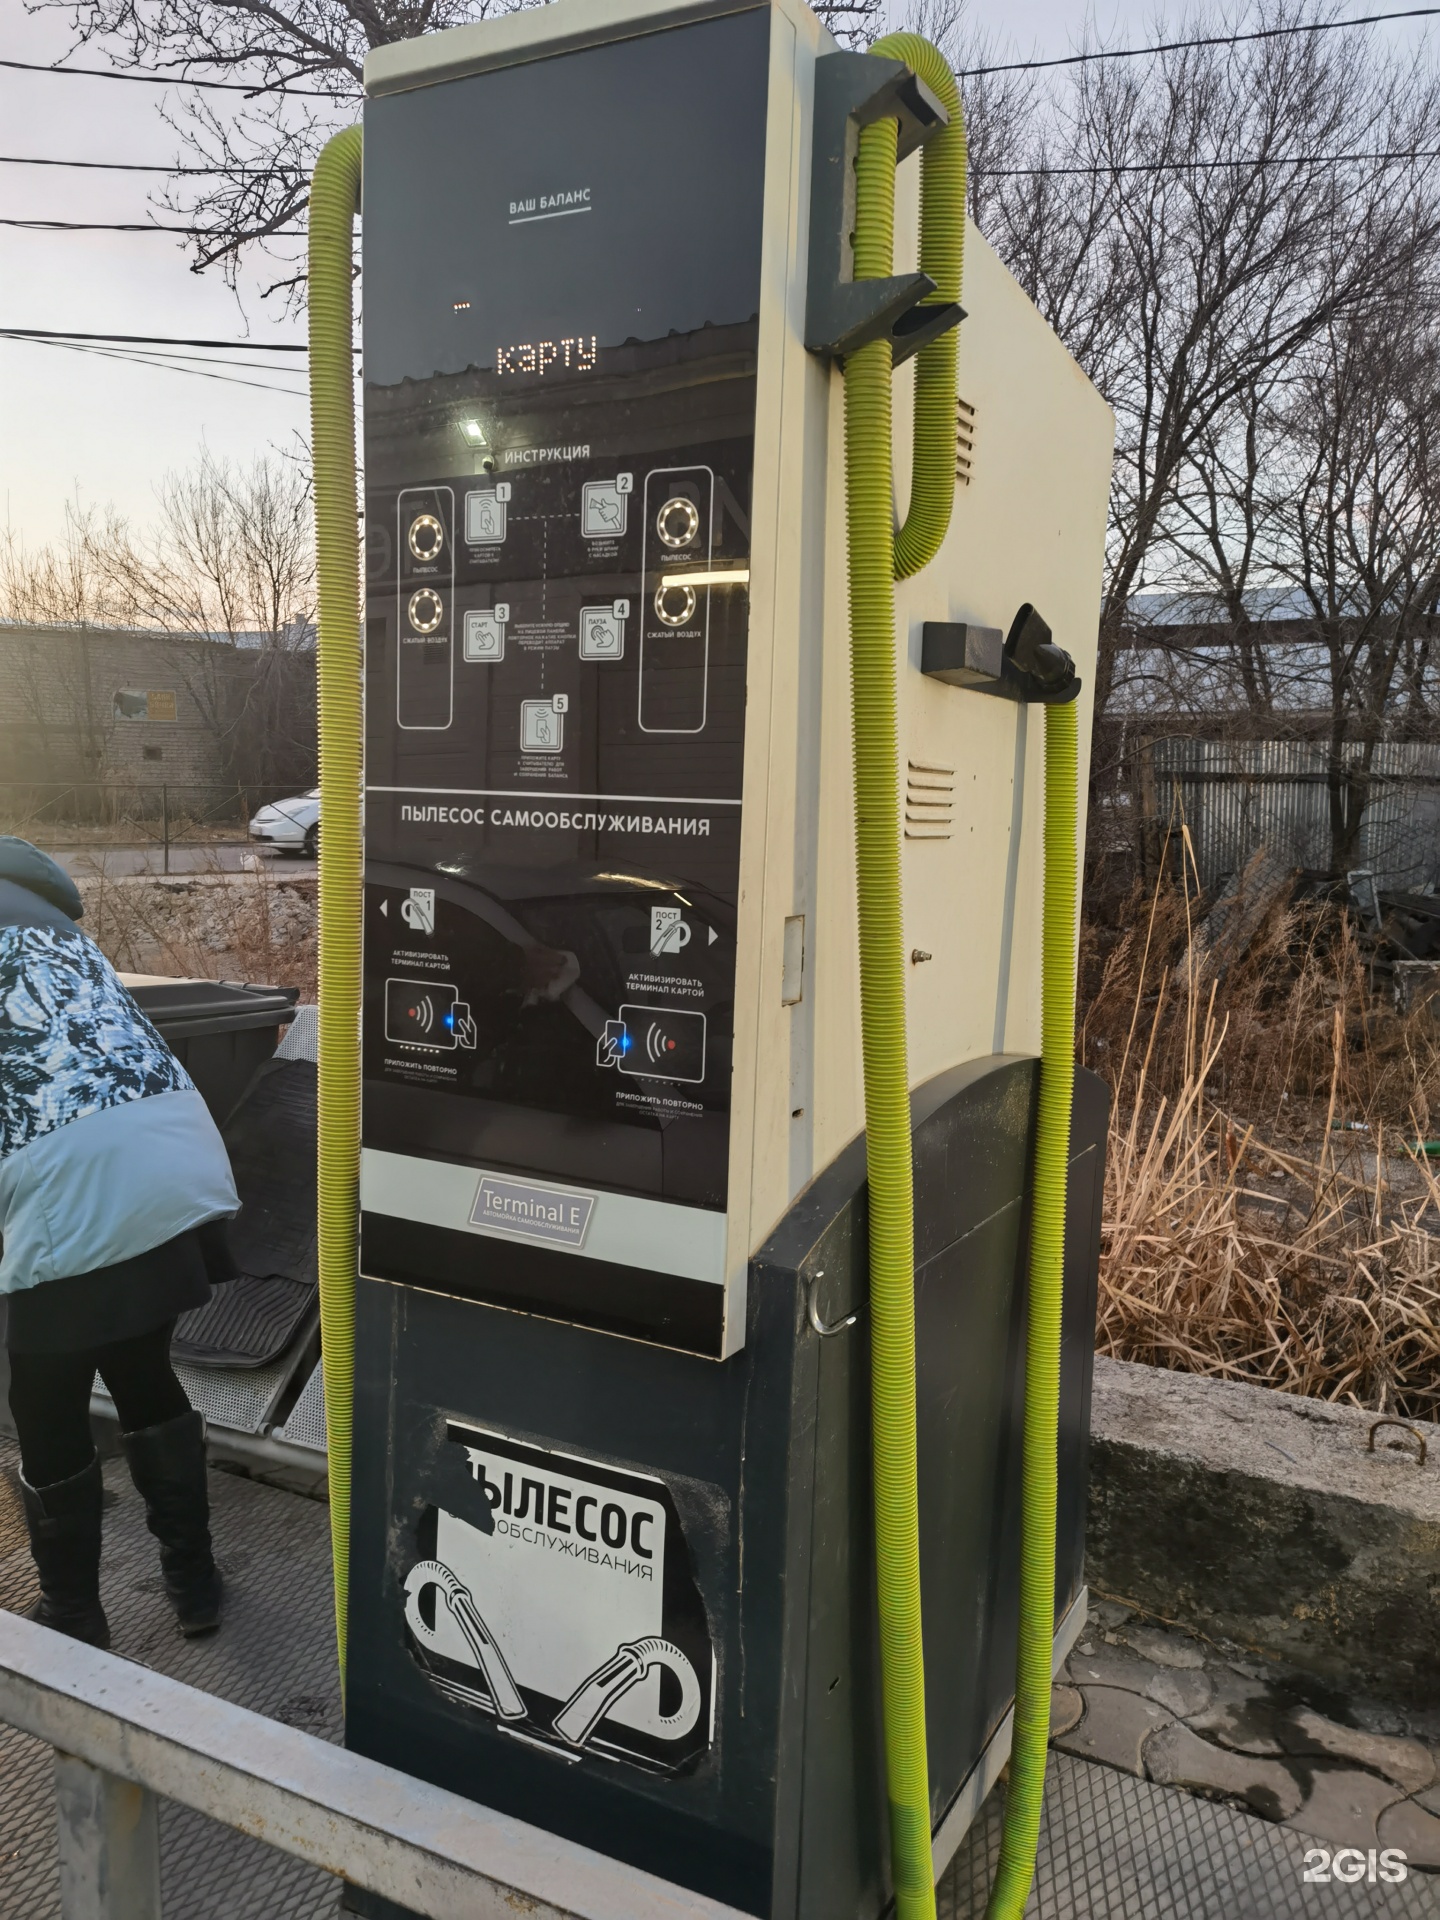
{"x":136,"y":226}
{"x":344,"y":88}
{"x":179,"y":80}
{"x":165,"y":366}
{"x":1208,"y":40}
{"x":149,"y":340}
{"x":967,"y":73}
{"x":1206,"y":166}
{"x":135,"y":166}
{"x":179,"y":360}
{"x":992,"y":173}
{"x":989,"y":173}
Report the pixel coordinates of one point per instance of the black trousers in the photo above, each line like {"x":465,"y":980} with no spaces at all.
{"x":50,"y":1399}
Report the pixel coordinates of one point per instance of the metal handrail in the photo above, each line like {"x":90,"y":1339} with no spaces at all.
{"x":125,"y":1736}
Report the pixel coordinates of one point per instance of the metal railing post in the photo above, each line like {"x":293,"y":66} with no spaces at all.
{"x":125,"y":1738}
{"x":109,"y":1844}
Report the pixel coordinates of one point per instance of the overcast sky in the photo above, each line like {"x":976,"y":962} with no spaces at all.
{"x":72,"y":424}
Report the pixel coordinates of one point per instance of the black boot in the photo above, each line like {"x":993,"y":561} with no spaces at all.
{"x":64,"y":1522}
{"x":167,"y":1464}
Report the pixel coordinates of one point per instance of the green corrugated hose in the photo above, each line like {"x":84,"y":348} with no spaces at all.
{"x":334,"y":199}
{"x":877,"y":557}
{"x":942,"y":256}
{"x":1034,"y":1654}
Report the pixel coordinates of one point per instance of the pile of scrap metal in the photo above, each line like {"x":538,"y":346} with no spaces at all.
{"x":1404,"y":937}
{"x":1397,"y":933}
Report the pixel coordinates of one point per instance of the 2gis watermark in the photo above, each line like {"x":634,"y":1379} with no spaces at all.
{"x":1350,"y":1864}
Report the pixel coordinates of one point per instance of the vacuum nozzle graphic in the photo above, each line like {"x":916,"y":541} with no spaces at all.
{"x":482,"y":1643}
{"x":628,"y":1665}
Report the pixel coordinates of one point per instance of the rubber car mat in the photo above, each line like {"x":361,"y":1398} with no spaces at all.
{"x":250,"y":1321}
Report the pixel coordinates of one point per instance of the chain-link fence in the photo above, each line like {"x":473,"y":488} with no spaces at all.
{"x":159,"y":817}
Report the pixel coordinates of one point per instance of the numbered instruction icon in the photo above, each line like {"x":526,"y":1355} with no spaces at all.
{"x":669,"y":932}
{"x":542,"y":728}
{"x":603,"y":507}
{"x":485,"y":633}
{"x":485,"y":511}
{"x":602,"y":631}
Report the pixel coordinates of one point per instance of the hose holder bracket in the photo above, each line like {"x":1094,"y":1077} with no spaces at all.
{"x":1026,"y":665}
{"x":841,"y":312}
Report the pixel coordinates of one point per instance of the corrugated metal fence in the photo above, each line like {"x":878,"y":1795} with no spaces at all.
{"x":1238,"y":796}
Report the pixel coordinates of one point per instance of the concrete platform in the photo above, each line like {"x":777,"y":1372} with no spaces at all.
{"x":1113,"y":1847}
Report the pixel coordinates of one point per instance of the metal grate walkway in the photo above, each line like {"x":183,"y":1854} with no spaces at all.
{"x":1112,"y":1847}
{"x":275,"y":1654}
{"x":1116,"y":1848}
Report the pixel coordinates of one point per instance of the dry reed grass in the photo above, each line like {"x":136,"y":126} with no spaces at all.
{"x":1327,"y":1285}
{"x":1277,"y":977}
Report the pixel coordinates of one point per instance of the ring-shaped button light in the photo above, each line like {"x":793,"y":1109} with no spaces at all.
{"x":426,"y":536}
{"x":426,"y":610}
{"x":678,"y":521}
{"x":664,"y":608}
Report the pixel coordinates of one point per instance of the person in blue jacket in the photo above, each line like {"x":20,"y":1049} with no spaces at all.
{"x":113,"y":1177}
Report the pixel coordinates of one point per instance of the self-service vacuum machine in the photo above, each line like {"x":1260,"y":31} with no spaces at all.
{"x":710,"y":1209}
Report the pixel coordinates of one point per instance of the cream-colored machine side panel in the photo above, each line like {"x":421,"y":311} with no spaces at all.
{"x":806,"y":1093}
{"x":839,"y":1106}
{"x":768,"y":865}
{"x":786,"y":1073}
{"x":1029,"y":526}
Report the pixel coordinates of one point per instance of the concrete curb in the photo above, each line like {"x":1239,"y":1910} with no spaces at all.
{"x":1263,"y":1518}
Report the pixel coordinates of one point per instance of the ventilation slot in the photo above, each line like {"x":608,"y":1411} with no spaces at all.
{"x":964,"y":441}
{"x":929,"y":801}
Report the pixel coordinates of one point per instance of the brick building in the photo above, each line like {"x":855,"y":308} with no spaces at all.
{"x":111,"y":705}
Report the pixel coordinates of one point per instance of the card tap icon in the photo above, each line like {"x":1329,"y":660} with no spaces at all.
{"x":614,"y":1043}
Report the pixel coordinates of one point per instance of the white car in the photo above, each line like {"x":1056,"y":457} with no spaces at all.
{"x":292,"y":825}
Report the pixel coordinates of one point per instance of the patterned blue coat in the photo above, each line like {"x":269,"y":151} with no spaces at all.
{"x":106,"y":1147}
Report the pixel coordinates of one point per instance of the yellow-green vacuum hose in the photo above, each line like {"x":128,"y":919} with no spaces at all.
{"x":875,"y":558}
{"x":334,"y":198}
{"x":1031,"y":1736}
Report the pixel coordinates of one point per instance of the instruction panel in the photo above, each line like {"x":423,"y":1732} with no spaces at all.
{"x":559,"y":458}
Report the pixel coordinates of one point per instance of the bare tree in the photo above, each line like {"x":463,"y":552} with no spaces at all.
{"x":58,"y":586}
{"x":1347,"y":502}
{"x":1188,"y":224}
{"x":305,"y":59}
{"x":229,"y":561}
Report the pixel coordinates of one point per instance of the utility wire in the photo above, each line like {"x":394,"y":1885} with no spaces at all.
{"x":179,"y":360}
{"x":135,"y":166}
{"x":137,"y":226}
{"x":988,"y":173}
{"x":349,"y":84}
{"x":166,"y":366}
{"x":1010,"y":173}
{"x":252,"y":87}
{"x":147,"y":340}
{"x":1203,"y":166}
{"x":1207,"y":40}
